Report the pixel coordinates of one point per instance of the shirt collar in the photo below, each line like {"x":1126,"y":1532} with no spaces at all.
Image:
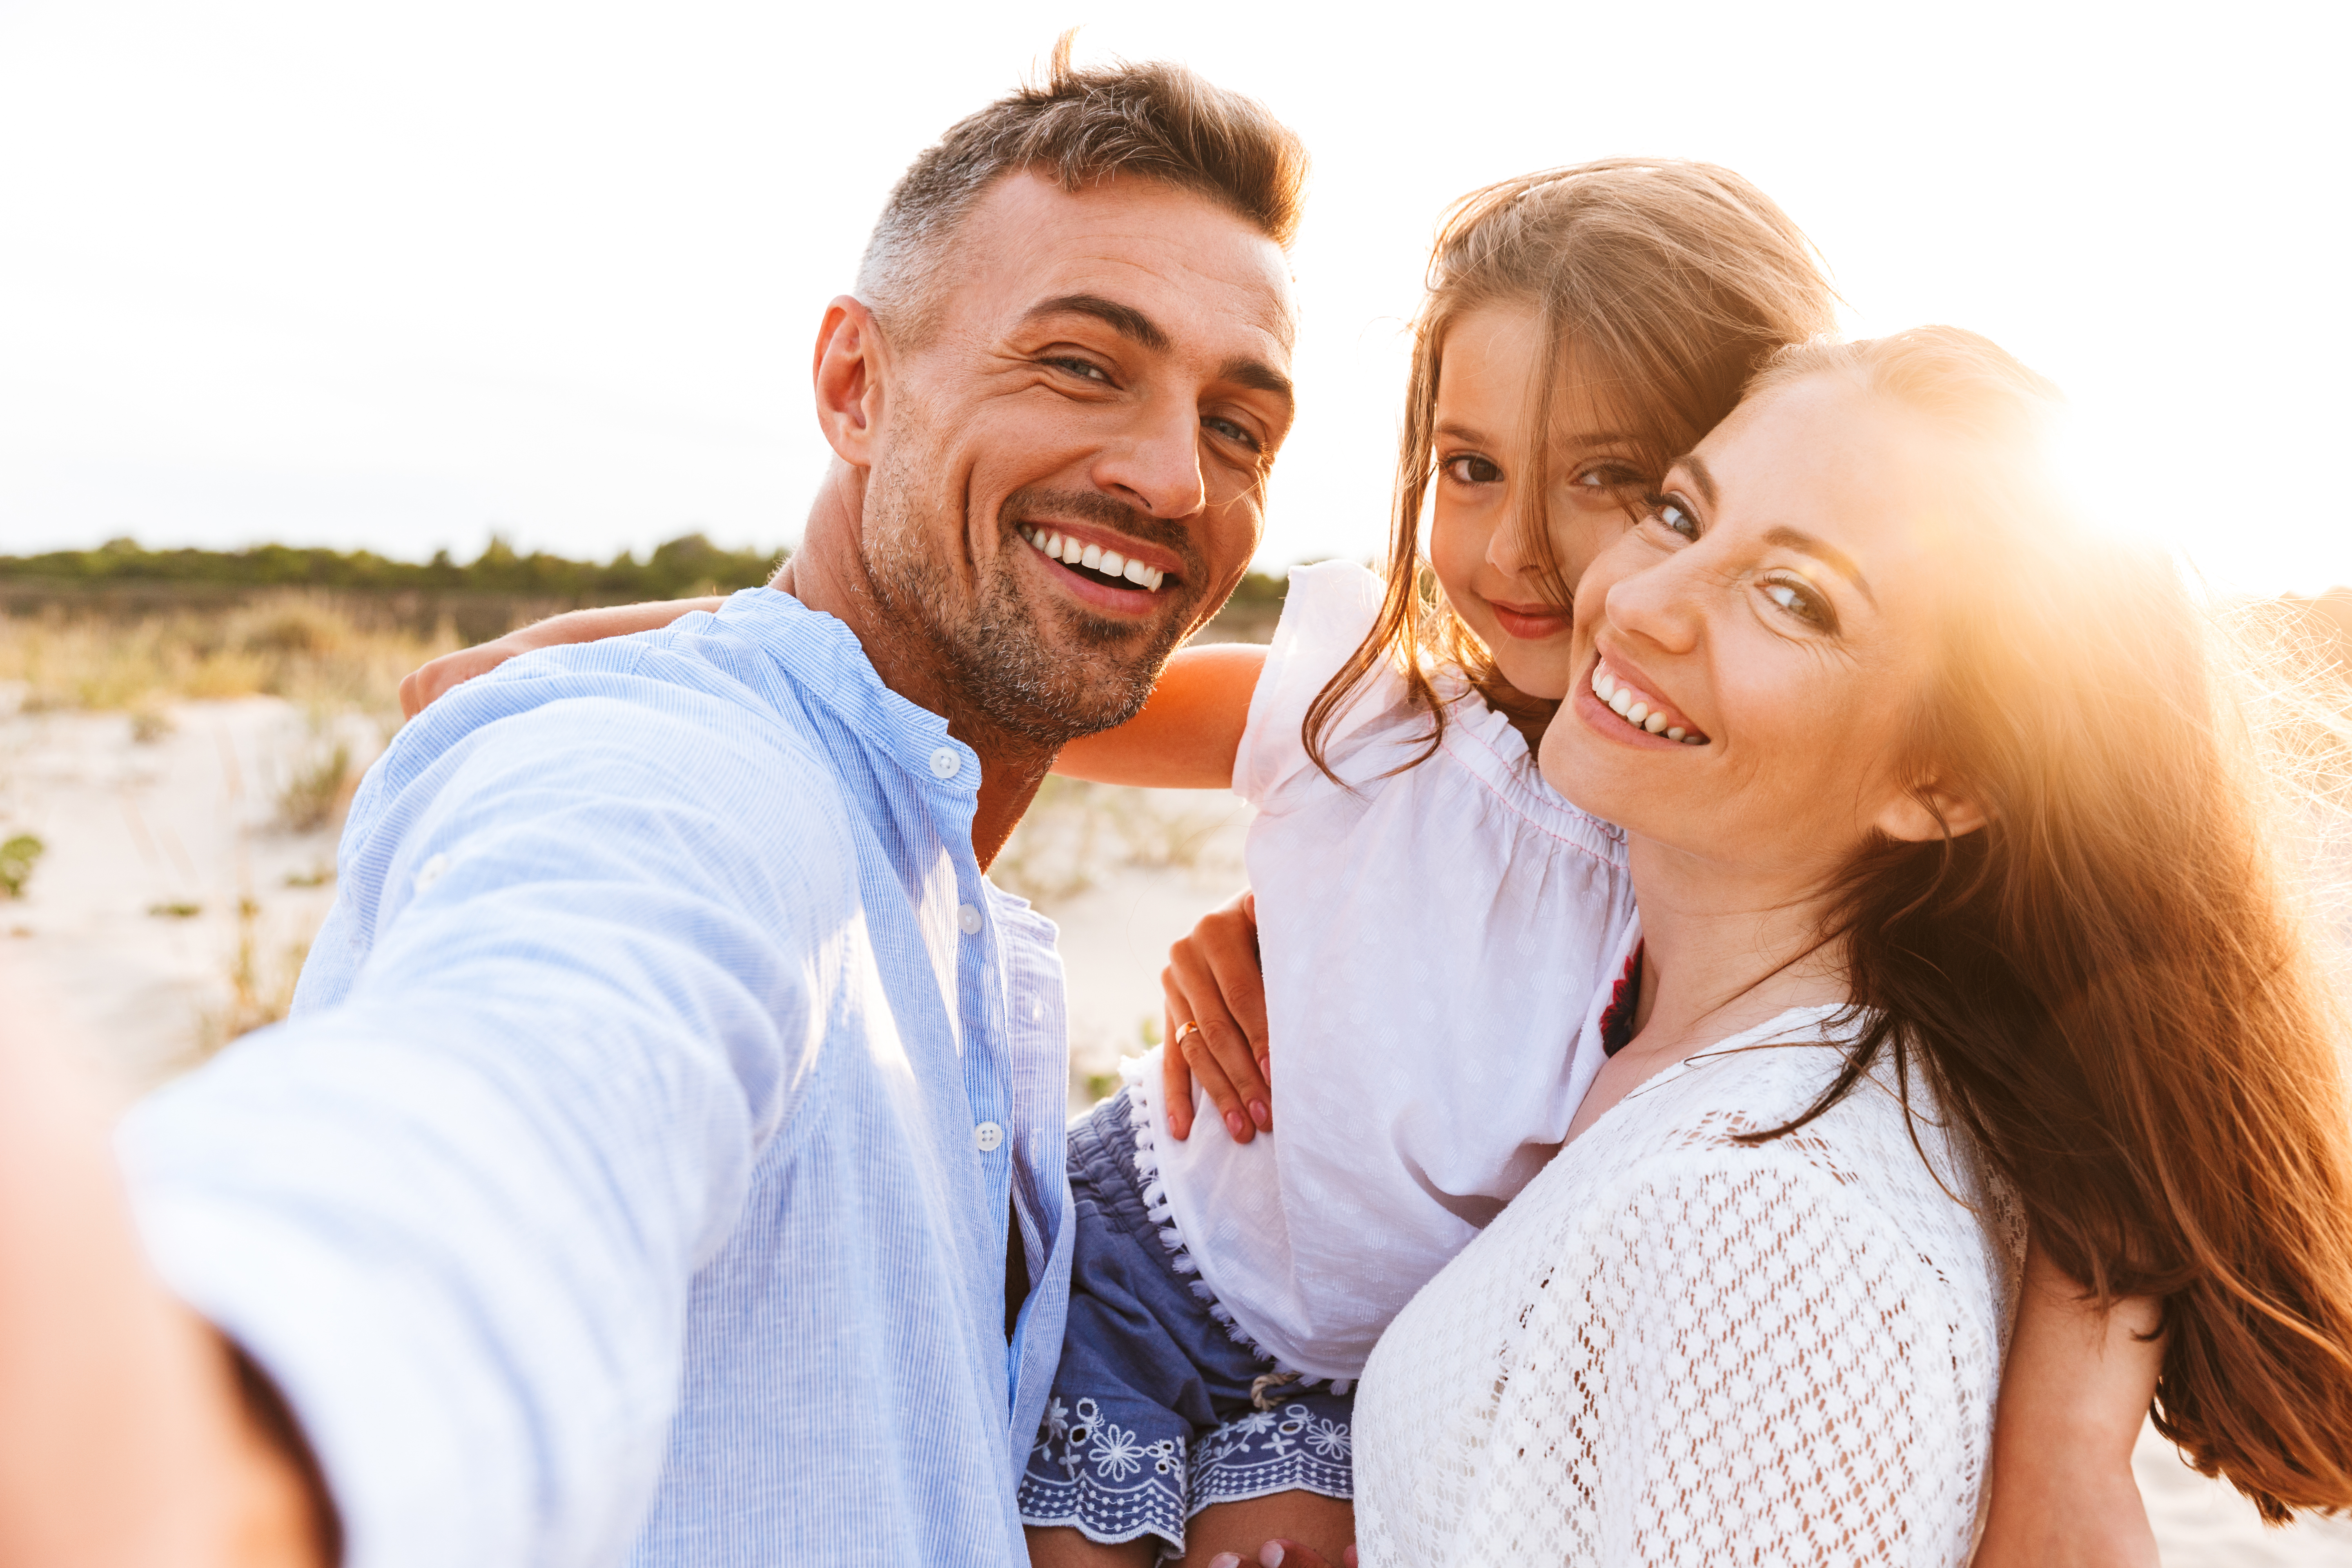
{"x":823,"y":657}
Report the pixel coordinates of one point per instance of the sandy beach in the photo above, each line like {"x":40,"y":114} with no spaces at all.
{"x":174,"y":896}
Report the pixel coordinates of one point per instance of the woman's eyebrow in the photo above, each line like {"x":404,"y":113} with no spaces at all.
{"x":1825,"y":552}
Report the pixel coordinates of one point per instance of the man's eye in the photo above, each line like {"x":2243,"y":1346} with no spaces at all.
{"x":1471,"y":469}
{"x":1084,"y":369}
{"x":1232,"y":432}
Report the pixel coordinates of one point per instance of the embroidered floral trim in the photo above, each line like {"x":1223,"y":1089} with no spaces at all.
{"x":1289,"y":1448}
{"x":1111,"y":1487}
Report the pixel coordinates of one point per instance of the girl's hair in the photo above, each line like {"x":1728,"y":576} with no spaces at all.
{"x":1668,"y":281}
{"x":2114,"y":985}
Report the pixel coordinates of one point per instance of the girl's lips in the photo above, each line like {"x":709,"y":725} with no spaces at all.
{"x":1530,"y":623}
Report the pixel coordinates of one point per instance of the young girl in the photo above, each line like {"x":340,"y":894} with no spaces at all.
{"x":1434,"y":918}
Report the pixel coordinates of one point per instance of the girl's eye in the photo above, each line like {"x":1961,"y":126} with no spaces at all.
{"x":1799,"y":600}
{"x":1608,"y":476}
{"x":1471,"y":469}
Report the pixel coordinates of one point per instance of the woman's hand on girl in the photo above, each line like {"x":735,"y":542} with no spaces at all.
{"x":1214,"y":989}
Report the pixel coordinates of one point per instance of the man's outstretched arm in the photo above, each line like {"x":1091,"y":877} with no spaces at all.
{"x":455,"y":1214}
{"x":131,"y":1433}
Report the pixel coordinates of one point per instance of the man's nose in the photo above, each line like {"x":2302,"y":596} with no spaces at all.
{"x":1156,"y":462}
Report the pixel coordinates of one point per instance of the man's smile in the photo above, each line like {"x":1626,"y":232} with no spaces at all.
{"x":1108,"y":571}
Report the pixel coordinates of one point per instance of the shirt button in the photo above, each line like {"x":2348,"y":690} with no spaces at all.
{"x":969,"y":918}
{"x":986,"y":1137}
{"x":945,"y":764}
{"x":431,"y":871}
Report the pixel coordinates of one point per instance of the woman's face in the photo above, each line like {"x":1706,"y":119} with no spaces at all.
{"x":1775,"y":610}
{"x":1476,"y":541}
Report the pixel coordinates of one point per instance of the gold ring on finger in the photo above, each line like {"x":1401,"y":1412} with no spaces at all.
{"x":1187,"y":1028}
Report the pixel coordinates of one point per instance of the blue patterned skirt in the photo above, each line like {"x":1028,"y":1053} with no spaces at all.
{"x":1160,"y":1407}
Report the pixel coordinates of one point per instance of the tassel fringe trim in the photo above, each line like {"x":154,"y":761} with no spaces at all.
{"x":1135,"y":1074}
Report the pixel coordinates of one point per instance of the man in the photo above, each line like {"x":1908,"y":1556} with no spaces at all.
{"x":670,"y":1132}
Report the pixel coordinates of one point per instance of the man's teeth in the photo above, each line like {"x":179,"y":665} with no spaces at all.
{"x":1095,"y":558}
{"x":1634,"y":708}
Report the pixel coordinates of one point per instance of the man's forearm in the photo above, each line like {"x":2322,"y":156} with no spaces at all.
{"x":130,"y":1433}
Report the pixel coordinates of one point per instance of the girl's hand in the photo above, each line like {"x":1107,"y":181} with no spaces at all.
{"x":1215,"y":992}
{"x":435,"y":678}
{"x":428,"y":680}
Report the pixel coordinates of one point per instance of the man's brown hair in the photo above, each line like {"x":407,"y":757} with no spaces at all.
{"x":1157,"y":121}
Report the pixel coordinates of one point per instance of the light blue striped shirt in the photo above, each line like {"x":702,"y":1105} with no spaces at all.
{"x":628,"y":1185}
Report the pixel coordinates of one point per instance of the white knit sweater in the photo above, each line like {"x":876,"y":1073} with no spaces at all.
{"x":1677,"y":1348}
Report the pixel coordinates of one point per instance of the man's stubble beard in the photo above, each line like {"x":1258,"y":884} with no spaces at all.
{"x":1036,"y":671}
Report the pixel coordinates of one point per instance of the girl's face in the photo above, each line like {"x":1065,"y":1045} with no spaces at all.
{"x":1749,"y":655}
{"x":1477,"y":542}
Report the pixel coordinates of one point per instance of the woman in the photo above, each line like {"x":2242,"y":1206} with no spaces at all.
{"x":1965,"y":920}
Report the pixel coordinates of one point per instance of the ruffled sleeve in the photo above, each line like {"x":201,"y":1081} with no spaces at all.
{"x":1330,"y":609}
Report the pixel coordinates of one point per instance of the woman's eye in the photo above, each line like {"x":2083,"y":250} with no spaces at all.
{"x":1799,"y":601}
{"x":1670,"y":513}
{"x":1471,"y":470}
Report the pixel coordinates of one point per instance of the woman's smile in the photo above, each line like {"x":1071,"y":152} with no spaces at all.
{"x":1626,"y":705}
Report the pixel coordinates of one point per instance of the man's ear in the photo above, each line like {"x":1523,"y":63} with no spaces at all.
{"x":851,"y":363}
{"x":1927,"y":812}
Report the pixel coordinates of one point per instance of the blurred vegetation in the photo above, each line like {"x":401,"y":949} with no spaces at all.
{"x":682,"y":568}
{"x":318,"y":651}
{"x":17,"y":855}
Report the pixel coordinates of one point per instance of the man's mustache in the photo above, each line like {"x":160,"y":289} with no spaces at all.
{"x":1037,"y":504}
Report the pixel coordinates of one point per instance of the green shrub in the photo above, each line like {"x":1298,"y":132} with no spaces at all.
{"x":17,"y":858}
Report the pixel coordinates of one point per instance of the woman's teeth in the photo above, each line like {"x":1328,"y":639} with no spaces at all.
{"x":1635,"y":708}
{"x":1095,"y":558}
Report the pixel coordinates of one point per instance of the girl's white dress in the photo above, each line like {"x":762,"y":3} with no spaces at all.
{"x":1673,"y":1347}
{"x":1438,"y":944}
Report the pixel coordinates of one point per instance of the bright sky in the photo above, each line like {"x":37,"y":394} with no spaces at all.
{"x":399,"y":275}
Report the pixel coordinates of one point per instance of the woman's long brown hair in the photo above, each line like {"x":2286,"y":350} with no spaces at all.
{"x":2116,"y":986}
{"x":1669,"y":281}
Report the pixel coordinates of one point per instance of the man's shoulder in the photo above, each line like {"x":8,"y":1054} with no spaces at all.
{"x":650,"y":730}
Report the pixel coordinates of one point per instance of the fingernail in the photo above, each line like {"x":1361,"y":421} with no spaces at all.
{"x":1225,"y":1560}
{"x":1269,"y":1555}
{"x":1235,"y":1124}
{"x":1262,"y":1116}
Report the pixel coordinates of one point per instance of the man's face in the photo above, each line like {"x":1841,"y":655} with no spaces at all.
{"x":1107,"y":375}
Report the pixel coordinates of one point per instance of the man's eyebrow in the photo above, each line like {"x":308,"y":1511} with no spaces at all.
{"x":1259,"y":375}
{"x":1822,"y":550}
{"x":1125,"y":320}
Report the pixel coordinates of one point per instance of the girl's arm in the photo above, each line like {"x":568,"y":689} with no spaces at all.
{"x":2077,"y":1386}
{"x":1188,"y":733}
{"x":427,"y":681}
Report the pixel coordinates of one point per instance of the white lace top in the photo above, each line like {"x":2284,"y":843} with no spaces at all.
{"x":1676,"y":1348}
{"x":1436,"y":943}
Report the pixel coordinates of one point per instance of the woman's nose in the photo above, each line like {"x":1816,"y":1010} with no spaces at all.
{"x":1663,"y":602}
